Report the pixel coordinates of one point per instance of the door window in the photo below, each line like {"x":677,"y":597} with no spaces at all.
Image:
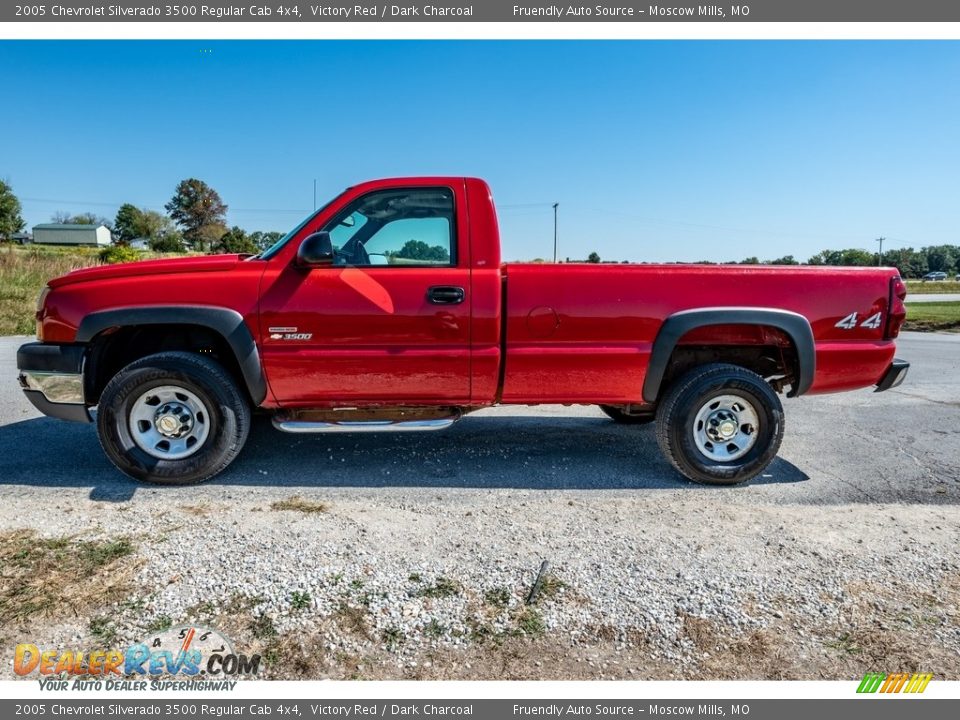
{"x":411,"y":227}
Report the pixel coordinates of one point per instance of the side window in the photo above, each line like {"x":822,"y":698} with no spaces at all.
{"x":405,"y":227}
{"x":345,"y":229}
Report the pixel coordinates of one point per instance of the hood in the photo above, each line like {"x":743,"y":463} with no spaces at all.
{"x":200,"y":263}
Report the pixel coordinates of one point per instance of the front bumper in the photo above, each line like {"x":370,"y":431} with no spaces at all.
{"x":52,"y":379}
{"x":894,"y":375}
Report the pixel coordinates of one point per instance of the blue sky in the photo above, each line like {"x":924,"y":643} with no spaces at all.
{"x":655,"y":150}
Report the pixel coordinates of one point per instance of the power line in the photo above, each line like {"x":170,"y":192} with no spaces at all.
{"x":115,"y":204}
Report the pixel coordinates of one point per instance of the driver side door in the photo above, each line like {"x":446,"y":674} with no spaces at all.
{"x":389,"y":321}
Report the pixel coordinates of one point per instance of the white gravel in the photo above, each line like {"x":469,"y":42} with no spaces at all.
{"x":631,"y":567}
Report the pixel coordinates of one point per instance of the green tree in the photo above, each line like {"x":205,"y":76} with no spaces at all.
{"x":419,"y":250}
{"x":593,"y":258}
{"x":168,"y":242}
{"x":785,"y":260}
{"x":910,"y":263}
{"x":754,"y":260}
{"x":941,"y":258}
{"x":847,"y":257}
{"x":236,"y":240}
{"x":135,"y":223}
{"x":126,"y":225}
{"x":10,"y":219}
{"x":198,"y":210}
{"x":263,"y":240}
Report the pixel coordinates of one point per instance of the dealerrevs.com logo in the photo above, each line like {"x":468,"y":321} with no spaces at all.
{"x":183,"y":657}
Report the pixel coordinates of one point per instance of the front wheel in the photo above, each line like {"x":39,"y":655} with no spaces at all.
{"x":720,"y":424}
{"x":172,"y":418}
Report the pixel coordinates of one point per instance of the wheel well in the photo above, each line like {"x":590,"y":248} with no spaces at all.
{"x":767,"y":351}
{"x":115,"y":348}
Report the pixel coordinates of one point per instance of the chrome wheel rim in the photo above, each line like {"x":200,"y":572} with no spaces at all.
{"x":169,"y":422}
{"x":726,"y":427}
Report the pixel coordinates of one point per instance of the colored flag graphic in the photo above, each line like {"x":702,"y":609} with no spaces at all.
{"x":894,"y":683}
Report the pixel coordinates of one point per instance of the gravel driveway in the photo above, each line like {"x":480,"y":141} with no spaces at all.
{"x":392,"y":556}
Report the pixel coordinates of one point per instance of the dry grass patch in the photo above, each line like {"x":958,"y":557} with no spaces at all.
{"x":300,"y":504}
{"x":442,"y":587}
{"x":353,"y":620}
{"x":201,"y":510}
{"x":551,"y":586}
{"x":23,"y":273}
{"x":51,"y":575}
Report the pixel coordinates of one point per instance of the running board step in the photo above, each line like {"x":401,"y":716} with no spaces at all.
{"x":302,"y":424}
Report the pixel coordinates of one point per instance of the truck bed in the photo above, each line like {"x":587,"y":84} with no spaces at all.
{"x":584,"y":332}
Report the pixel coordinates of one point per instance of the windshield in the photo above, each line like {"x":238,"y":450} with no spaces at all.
{"x":275,"y":248}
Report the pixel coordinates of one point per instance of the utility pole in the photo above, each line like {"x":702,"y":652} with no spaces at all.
{"x":314,"y":194}
{"x":880,"y":254}
{"x":555,"y":205}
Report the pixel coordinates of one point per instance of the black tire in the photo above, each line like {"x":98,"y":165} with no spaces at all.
{"x":689,"y":395}
{"x":618,"y":415}
{"x":227,"y":419}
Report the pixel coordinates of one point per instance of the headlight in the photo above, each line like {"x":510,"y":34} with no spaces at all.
{"x":40,"y":302}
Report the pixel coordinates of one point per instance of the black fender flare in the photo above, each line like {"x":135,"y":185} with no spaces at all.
{"x":679,"y":324}
{"x":226,"y":322}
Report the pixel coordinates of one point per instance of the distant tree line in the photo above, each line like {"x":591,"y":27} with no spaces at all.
{"x":195,"y":219}
{"x":910,"y":262}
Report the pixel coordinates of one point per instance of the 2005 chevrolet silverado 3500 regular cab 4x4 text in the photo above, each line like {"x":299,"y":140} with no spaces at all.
{"x":389,"y":309}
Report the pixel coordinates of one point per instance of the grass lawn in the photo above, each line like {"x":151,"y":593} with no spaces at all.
{"x":916,"y":287}
{"x":933,"y":316}
{"x":25,"y":270}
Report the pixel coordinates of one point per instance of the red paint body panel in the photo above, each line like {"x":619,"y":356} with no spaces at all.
{"x":110,"y":287}
{"x":573,"y":333}
{"x":609,"y":317}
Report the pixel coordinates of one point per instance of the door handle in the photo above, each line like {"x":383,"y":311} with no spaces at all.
{"x":445,"y":295}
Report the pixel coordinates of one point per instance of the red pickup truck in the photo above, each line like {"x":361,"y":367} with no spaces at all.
{"x":390,"y":309}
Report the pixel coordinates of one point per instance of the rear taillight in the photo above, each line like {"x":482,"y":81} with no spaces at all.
{"x":898,"y":311}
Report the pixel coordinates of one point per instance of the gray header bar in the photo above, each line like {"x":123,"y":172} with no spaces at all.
{"x":374,"y":11}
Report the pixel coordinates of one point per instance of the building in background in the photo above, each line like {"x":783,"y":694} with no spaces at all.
{"x":61,"y":234}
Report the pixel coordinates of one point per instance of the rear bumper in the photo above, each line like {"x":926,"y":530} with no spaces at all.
{"x":52,"y":379}
{"x":894,"y":375}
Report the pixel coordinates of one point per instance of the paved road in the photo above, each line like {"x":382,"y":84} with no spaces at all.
{"x":933,"y":297}
{"x":902,"y":446}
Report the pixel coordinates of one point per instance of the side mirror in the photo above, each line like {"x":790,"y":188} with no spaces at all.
{"x":315,"y":251}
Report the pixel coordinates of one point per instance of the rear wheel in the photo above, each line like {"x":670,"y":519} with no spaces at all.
{"x":619,"y":415}
{"x":720,"y":424}
{"x":173,"y":418}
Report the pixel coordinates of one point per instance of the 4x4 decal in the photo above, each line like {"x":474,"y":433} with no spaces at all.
{"x":850,"y":322}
